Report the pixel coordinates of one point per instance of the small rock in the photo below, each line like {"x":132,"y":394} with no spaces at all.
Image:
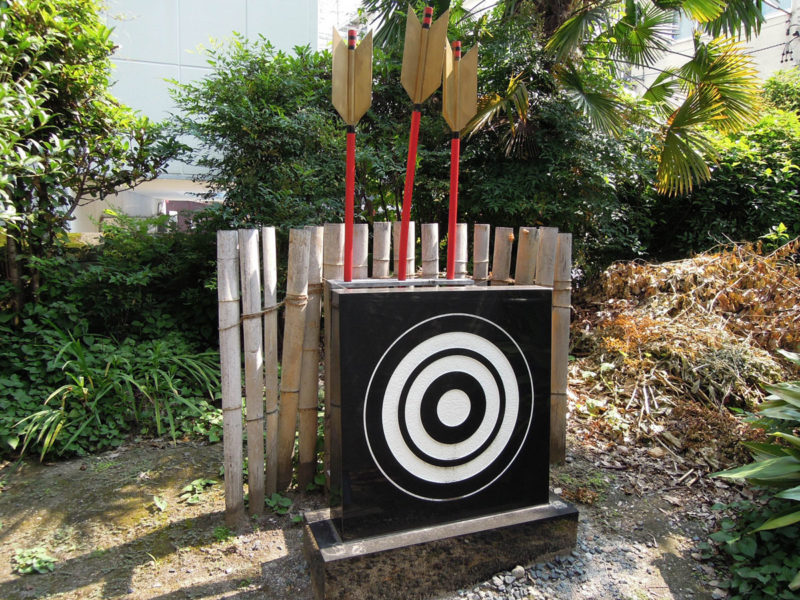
{"x":518,"y":572}
{"x":496,"y":581}
{"x":508,"y":579}
{"x":719,"y":594}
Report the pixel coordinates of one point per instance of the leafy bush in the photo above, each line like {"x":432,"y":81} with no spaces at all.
{"x":755,"y":186}
{"x":120,"y":342}
{"x":776,"y":466}
{"x":762,"y":565}
{"x":782,"y":90}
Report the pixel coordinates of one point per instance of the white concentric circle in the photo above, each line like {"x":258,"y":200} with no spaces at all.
{"x":435,"y":449}
{"x":493,"y":431}
{"x":453,"y":408}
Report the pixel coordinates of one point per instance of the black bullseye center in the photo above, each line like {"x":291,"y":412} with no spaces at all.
{"x":431,"y":421}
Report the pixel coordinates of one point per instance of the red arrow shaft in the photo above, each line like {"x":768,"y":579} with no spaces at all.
{"x":452,"y":241}
{"x":350,"y":186}
{"x":411,"y":166}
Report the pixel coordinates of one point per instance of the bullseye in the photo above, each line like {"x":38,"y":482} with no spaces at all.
{"x":450,"y":405}
{"x":453,"y":408}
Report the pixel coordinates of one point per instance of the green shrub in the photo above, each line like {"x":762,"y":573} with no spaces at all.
{"x":782,"y":90}
{"x":754,"y":187}
{"x":120,"y":341}
{"x":773,"y":527}
{"x":762,"y":565}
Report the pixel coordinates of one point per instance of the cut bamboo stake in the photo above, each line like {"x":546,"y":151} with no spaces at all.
{"x":560,"y":348}
{"x":525,"y":270}
{"x":332,"y":268}
{"x":461,"y":251}
{"x":501,"y":260}
{"x":480,"y":254}
{"x":271,"y":354}
{"x":410,"y":263}
{"x":253,"y":365}
{"x":546,"y":256}
{"x":231,"y":373}
{"x":309,"y":377}
{"x":430,"y":250}
{"x":296,"y":303}
{"x":360,"y":250}
{"x":381,"y":247}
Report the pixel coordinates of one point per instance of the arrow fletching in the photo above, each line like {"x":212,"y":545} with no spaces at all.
{"x":351,"y":85}
{"x":460,"y":87}
{"x":423,"y":54}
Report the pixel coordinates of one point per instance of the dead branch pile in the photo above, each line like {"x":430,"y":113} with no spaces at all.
{"x":669,"y":349}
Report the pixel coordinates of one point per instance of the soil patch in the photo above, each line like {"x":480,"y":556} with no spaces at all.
{"x":97,"y":517}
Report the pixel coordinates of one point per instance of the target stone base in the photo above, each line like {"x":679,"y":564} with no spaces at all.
{"x":423,"y":563}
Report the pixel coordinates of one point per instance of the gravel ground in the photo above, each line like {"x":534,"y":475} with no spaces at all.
{"x":97,"y":518}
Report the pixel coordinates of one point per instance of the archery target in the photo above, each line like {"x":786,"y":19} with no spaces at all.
{"x":448,"y":407}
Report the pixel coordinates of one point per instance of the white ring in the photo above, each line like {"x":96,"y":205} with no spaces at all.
{"x":413,"y":412}
{"x":391,"y":402}
{"x":524,"y":434}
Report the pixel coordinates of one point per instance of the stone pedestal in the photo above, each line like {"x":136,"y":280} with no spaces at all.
{"x":422,"y":563}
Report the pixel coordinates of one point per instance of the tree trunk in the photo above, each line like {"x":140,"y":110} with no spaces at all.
{"x":14,"y":276}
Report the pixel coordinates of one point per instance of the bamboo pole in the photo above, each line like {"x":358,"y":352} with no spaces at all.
{"x":430,"y":250}
{"x":250,"y":276}
{"x":296,"y":304}
{"x":461,"y":251}
{"x":332,"y":268}
{"x":410,"y":254}
{"x":381,"y":247}
{"x":525,"y":270}
{"x":546,"y":256}
{"x":309,"y":377}
{"x":560,"y":348}
{"x":271,"y":354}
{"x":231,"y":373}
{"x":501,"y":260}
{"x":480,"y":254}
{"x":360,"y":250}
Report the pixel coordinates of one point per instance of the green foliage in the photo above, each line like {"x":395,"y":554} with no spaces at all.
{"x":782,"y":90}
{"x":763,"y":564}
{"x":63,"y":138}
{"x":278,"y":503}
{"x":69,"y":387}
{"x":776,"y":466}
{"x":160,"y":503}
{"x":268,"y":134}
{"x":754,"y":186}
{"x":191,"y":493}
{"x":222,"y":533}
{"x":32,"y":560}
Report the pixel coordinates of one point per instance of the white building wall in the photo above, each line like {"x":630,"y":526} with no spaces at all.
{"x":771,"y":50}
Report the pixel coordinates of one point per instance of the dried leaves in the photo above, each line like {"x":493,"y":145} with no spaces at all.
{"x":671,"y":347}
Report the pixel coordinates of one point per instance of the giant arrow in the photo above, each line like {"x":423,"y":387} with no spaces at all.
{"x":459,"y":105}
{"x":352,"y":96}
{"x":423,"y":55}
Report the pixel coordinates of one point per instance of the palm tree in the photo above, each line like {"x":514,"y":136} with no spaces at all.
{"x":715,"y":86}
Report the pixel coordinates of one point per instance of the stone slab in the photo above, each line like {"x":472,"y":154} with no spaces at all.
{"x":422,"y":563}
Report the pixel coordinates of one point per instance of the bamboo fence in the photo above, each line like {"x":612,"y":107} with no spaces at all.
{"x":276,"y":430}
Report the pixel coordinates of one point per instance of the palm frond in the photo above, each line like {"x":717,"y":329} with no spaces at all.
{"x":703,"y":11}
{"x":603,"y":109}
{"x":642,"y":35}
{"x":661,"y":92}
{"x":685,"y":150}
{"x":740,"y":17}
{"x":585,"y":24}
{"x":722,"y":66}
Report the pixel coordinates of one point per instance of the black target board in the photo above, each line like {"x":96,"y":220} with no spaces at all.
{"x":440,"y":404}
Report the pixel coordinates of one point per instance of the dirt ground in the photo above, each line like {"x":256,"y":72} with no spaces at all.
{"x":97,"y":517}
